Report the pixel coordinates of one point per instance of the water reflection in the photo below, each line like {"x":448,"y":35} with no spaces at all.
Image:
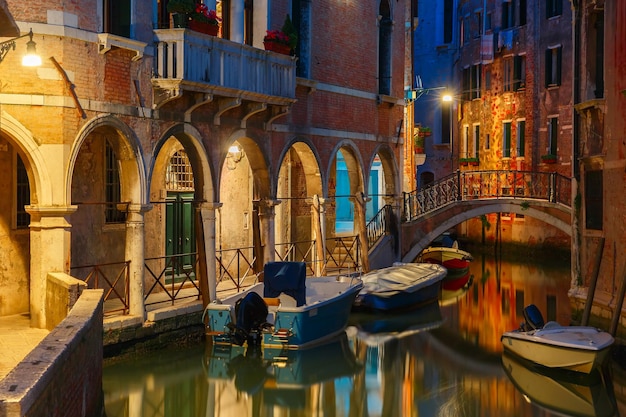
{"x":444,"y":360}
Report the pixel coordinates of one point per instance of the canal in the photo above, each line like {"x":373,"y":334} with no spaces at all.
{"x":441,"y":360}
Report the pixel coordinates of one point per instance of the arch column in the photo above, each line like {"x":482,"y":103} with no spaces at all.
{"x":267,"y":215}
{"x":318,"y":227}
{"x":360,"y":226}
{"x":135,"y":253}
{"x":206,"y":211}
{"x":50,"y":239}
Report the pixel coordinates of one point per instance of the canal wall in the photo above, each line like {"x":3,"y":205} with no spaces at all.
{"x":62,"y":375}
{"x":166,"y":326}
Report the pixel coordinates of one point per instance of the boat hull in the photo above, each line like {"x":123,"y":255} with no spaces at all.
{"x":400,"y":287}
{"x":575,"y":348}
{"x":293,"y":327}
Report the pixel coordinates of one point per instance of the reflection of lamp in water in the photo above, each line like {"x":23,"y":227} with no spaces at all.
{"x":235,"y":153}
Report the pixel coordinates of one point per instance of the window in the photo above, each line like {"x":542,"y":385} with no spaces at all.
{"x":179,"y":175}
{"x":488,"y":78}
{"x":554,"y":8}
{"x":465,"y":145}
{"x":116,"y":15}
{"x":22,"y":195}
{"x":488,"y":22}
{"x":506,"y":139}
{"x":553,"y":66}
{"x":384,"y":49}
{"x":478,"y":19}
{"x":593,"y":200}
{"x":522,"y":12}
{"x":507,"y":73}
{"x":519,"y":72}
{"x":448,"y":13}
{"x":553,"y":132}
{"x":521,"y":137}
{"x":112,"y":187}
{"x":446,"y":128}
{"x":476,"y":140}
{"x":508,"y":14}
{"x":471,"y":82}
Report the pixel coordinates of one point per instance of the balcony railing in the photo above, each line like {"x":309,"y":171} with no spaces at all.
{"x":185,"y":59}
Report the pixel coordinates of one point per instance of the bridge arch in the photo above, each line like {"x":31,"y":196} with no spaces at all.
{"x":418,"y":234}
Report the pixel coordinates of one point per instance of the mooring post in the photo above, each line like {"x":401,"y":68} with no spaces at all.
{"x":592,"y":285}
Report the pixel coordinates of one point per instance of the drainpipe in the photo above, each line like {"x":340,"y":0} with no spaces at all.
{"x":576,"y":239}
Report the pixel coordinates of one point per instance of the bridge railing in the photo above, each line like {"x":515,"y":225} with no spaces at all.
{"x":492,"y":184}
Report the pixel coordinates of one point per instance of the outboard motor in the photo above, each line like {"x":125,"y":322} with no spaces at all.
{"x":533,"y":317}
{"x":250,"y":315}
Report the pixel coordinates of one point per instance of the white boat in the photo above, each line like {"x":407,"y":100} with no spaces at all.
{"x":575,"y":348}
{"x":401,"y":286}
{"x":286,"y":310}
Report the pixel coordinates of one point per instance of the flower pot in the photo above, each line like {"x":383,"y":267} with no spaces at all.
{"x":203,"y":27}
{"x":419,"y":149}
{"x":280,"y":48}
{"x":180,"y":20}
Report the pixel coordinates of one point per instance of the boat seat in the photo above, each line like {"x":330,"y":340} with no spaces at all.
{"x":287,"y":278}
{"x":533,"y":317}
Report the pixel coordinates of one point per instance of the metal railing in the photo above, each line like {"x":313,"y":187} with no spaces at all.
{"x":112,"y":278}
{"x":477,"y":185}
{"x":342,"y":255}
{"x":379,"y":225}
{"x":170,"y":275}
{"x":303,"y":251}
{"x":235,"y":265}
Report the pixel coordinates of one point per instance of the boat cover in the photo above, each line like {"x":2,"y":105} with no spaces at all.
{"x":285,"y":277}
{"x":408,"y":277}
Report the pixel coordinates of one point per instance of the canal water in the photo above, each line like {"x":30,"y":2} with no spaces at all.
{"x":441,"y":360}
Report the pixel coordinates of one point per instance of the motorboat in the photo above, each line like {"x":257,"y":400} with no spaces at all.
{"x":286,"y":310}
{"x":399,"y":287}
{"x":575,"y":348}
{"x":561,"y":392}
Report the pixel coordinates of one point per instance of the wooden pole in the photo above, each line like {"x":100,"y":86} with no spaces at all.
{"x":592,"y":285}
{"x":618,"y":306}
{"x":202,"y":265}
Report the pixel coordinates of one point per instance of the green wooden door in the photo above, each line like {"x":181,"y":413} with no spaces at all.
{"x":180,"y":242}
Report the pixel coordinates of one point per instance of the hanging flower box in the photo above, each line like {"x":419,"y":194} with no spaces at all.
{"x":277,"y":47}
{"x":548,"y":159}
{"x":203,"y":27}
{"x":473,"y":161}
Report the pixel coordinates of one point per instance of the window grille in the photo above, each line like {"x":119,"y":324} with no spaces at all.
{"x":179,"y":174}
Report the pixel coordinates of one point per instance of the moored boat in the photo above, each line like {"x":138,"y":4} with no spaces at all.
{"x":455,"y":260}
{"x":401,"y":286}
{"x":287,"y":310}
{"x":575,"y":348}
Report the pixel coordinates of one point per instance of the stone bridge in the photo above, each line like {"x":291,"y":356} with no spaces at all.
{"x":429,"y":212}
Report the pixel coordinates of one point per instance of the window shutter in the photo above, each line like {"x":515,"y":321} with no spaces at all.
{"x":548,"y":74}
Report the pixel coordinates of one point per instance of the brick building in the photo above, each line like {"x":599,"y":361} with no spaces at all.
{"x":511,"y":108}
{"x":600,"y":153}
{"x":140,"y":147}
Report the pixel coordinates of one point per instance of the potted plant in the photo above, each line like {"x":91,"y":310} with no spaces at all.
{"x":549,"y":158}
{"x":282,"y":41}
{"x":463,"y":161}
{"x":180,"y":10}
{"x":204,"y":20}
{"x":418,"y":143}
{"x":425,"y":131}
{"x":473,"y":161}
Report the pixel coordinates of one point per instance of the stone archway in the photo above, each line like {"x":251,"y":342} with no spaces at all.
{"x":107,"y":184}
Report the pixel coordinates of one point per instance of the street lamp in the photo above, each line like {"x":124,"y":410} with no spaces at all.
{"x":31,"y":59}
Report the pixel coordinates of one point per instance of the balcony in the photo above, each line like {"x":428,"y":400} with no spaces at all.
{"x":222,"y":70}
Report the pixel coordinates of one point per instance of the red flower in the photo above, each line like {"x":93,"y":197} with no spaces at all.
{"x":277,"y":36}
{"x":203,"y":14}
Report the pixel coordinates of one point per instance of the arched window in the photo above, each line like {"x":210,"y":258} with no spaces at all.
{"x":384,"y":48}
{"x":179,"y":175}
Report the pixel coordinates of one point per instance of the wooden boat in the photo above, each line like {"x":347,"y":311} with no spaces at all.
{"x":401,"y":286}
{"x":559,"y":391}
{"x":455,"y":260}
{"x":287,"y":310}
{"x":575,"y":348}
